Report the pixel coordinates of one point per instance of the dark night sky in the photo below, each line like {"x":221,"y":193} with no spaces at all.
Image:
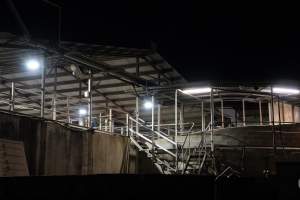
{"x":227,"y":42}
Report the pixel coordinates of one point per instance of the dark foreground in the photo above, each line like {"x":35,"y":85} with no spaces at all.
{"x":150,"y":187}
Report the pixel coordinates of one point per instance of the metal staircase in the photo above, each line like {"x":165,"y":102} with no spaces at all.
{"x":181,"y":159}
{"x":145,"y":141}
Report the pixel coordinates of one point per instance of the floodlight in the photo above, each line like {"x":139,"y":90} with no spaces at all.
{"x":197,"y":90}
{"x":280,"y":90}
{"x":82,"y":111}
{"x":285,"y":91}
{"x":148,"y":104}
{"x":32,"y":64}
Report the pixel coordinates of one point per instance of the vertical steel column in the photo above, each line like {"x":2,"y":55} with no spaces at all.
{"x":54,"y":95}
{"x":152,"y":128}
{"x":105,"y":124}
{"x":68,"y":110}
{"x":222,"y":113}
{"x":53,"y":109}
{"x":110,"y":120}
{"x":152,"y":113}
{"x":100,"y":121}
{"x":131,"y":127}
{"x":175,"y":108}
{"x":43,"y":66}
{"x":260,"y":113}
{"x":202,"y":116}
{"x":212,"y":114}
{"x":244,"y":114}
{"x":158,"y":117}
{"x":127,"y":124}
{"x":279,"y":112}
{"x":12,"y":97}
{"x":181,"y":120}
{"x":90,"y":85}
{"x":137,"y":114}
{"x":176,"y":131}
{"x":273,"y":123}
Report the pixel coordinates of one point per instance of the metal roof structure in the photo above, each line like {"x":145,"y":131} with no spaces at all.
{"x":116,"y":71}
{"x":119,"y":75}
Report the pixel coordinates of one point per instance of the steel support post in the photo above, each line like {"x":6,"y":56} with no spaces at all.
{"x":68,"y":110}
{"x":175,"y":117}
{"x":90,"y":83}
{"x":222,"y":113}
{"x":244,"y":114}
{"x":152,"y":113}
{"x":43,"y":70}
{"x":54,"y":95}
{"x":260,"y":113}
{"x":279,"y":112}
{"x":273,"y":123}
{"x":181,"y":118}
{"x":137,"y":114}
{"x":110,"y":120}
{"x":127,"y":124}
{"x":12,"y":97}
{"x":131,"y":127}
{"x":212,"y":114}
{"x":176,"y":131}
{"x":152,"y":126}
{"x":100,"y":121}
{"x":158,"y":117}
{"x":202,"y":116}
{"x":279,"y":116}
{"x":105,"y":124}
{"x":53,"y":108}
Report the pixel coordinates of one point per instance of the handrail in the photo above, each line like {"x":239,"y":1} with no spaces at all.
{"x":159,"y":134}
{"x":148,"y":140}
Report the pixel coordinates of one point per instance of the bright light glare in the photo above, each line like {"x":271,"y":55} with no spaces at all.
{"x":82,"y":111}
{"x":287,"y":91}
{"x":148,"y":105}
{"x":86,"y":94}
{"x":197,"y":90}
{"x":32,"y":64}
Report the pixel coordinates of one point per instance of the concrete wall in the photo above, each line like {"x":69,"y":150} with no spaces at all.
{"x":53,"y":149}
{"x":258,"y":153}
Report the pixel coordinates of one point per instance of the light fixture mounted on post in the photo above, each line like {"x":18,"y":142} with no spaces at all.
{"x":82,"y":111}
{"x":148,"y":104}
{"x":32,"y":64}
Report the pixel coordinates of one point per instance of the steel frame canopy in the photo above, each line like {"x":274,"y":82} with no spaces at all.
{"x":114,"y":70}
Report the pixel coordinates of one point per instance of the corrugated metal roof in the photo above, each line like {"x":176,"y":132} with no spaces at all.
{"x":111,"y":87}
